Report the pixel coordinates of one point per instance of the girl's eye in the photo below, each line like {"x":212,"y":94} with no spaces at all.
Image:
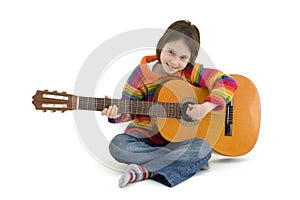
{"x":171,"y":52}
{"x":184,"y":58}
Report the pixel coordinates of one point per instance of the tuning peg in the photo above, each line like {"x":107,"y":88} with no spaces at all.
{"x":54,"y":90}
{"x":62,"y":111}
{"x":45,"y":90}
{"x":53,"y":111}
{"x":64,"y":92}
{"x":44,"y":110}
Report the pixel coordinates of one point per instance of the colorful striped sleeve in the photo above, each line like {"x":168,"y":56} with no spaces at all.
{"x":220,"y":85}
{"x":131,"y":91}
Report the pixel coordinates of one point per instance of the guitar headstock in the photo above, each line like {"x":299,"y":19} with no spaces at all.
{"x":54,"y":101}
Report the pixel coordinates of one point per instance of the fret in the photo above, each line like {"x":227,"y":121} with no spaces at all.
{"x":174,"y":110}
{"x":104,"y":103}
{"x":96,"y":105}
{"x":121,"y":107}
{"x":99,"y":104}
{"x":151,"y":108}
{"x":112,"y":102}
{"x":142,"y":107}
{"x":137,"y":106}
{"x":171,"y":113}
{"x":149,"y":104}
{"x":147,"y":107}
{"x":92,"y":103}
{"x":87,"y":103}
{"x":174,"y":113}
{"x":167,"y":109}
{"x":130,"y":106}
{"x":80,"y":104}
{"x":133,"y":107}
{"x":77,"y":103}
{"x":158,"y":109}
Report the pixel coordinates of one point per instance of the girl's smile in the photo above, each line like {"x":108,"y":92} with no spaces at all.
{"x":175,"y":56}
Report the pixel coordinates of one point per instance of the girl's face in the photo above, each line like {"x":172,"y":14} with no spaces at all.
{"x":175,"y":56}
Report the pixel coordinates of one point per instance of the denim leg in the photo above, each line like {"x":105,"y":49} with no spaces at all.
{"x":184,"y":161}
{"x":174,"y":163}
{"x":129,"y":149}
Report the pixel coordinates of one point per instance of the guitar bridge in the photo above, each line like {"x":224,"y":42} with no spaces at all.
{"x":229,"y":118}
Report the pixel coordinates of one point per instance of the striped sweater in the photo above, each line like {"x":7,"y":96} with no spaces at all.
{"x":142,"y":84}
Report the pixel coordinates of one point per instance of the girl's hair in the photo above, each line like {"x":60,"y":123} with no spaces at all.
{"x":182,"y":29}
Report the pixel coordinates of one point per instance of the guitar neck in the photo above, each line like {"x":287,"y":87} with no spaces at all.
{"x":161,"y":109}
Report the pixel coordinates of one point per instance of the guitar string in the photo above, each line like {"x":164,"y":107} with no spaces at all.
{"x":170,"y":106}
{"x":121,"y":102}
{"x":90,"y":104}
{"x":174,"y":108}
{"x":124,"y":103}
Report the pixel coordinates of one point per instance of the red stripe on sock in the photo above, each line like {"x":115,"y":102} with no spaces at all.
{"x":145,"y":172}
{"x":132,"y":175}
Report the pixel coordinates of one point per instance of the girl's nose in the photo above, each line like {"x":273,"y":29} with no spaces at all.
{"x":175,"y":61}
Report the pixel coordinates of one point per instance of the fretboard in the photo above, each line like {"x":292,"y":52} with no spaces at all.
{"x":161,"y":109}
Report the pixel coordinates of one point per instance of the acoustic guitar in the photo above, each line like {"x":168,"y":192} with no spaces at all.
{"x":232,"y":131}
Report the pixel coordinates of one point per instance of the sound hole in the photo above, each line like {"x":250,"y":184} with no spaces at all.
{"x":184,"y":108}
{"x":184,"y":103}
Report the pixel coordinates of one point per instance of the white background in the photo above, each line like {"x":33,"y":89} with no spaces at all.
{"x":44,"y":44}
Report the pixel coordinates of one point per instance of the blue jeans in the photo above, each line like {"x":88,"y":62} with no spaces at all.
{"x":173,"y":163}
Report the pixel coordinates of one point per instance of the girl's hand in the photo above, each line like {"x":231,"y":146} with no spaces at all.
{"x":111,"y":111}
{"x":198,"y":111}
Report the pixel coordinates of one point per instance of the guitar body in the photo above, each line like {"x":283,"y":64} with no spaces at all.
{"x":231,"y":132}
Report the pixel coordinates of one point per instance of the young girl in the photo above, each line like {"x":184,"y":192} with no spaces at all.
{"x":147,"y":153}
